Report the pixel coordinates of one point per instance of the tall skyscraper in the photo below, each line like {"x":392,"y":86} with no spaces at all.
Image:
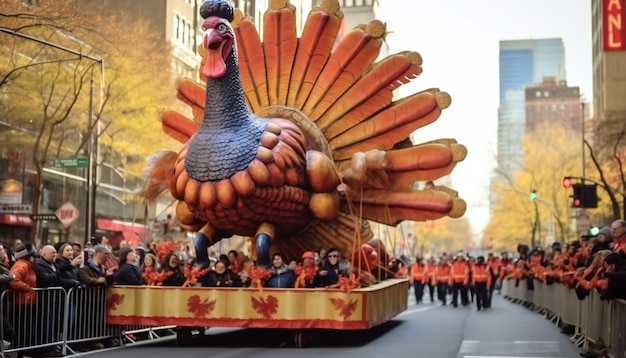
{"x":523,"y":63}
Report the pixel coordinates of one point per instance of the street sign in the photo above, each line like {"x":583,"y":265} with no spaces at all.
{"x":582,"y":222}
{"x":49,"y":217}
{"x":74,"y":162}
{"x":67,"y":214}
{"x":16,"y":208}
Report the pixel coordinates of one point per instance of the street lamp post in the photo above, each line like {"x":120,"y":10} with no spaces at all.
{"x":92,"y":148}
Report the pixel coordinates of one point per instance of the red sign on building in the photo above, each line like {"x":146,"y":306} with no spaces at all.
{"x":613,"y":21}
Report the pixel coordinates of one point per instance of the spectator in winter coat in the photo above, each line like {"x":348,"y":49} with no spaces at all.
{"x":335,"y":267}
{"x":24,"y":283}
{"x":172,"y":264}
{"x":222,"y":276}
{"x":129,"y":272}
{"x":282,"y":276}
{"x":5,"y":277}
{"x":93,"y":274}
{"x":616,"y":276}
{"x":67,"y":266}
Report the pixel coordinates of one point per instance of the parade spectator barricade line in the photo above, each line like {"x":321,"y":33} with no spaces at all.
{"x":86,"y":318}
{"x":592,"y":317}
{"x":38,"y":325}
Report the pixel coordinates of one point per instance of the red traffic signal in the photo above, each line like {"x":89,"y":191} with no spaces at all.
{"x":567,"y":182}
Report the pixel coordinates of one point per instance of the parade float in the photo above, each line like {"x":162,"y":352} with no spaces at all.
{"x":296,"y":143}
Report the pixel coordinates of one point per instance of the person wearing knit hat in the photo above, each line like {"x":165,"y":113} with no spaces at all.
{"x":25,"y":297}
{"x":603,"y":240}
{"x":615,"y":275}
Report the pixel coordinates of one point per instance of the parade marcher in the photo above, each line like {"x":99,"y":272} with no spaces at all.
{"x":459,"y":277}
{"x":494,"y":266}
{"x":481,"y":281}
{"x":418,"y":277}
{"x":430,"y":270}
{"x":442,"y":277}
{"x":468,"y":287}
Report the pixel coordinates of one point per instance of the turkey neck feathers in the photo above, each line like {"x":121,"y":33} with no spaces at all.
{"x":229,"y":135}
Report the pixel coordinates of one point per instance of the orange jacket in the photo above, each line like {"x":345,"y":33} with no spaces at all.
{"x":24,"y":283}
{"x":494,"y":265}
{"x":442,"y":273}
{"x":481,"y":274}
{"x":419,"y":273}
{"x":430,"y":269}
{"x":459,"y":273}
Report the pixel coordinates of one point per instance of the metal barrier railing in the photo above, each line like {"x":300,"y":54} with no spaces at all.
{"x":54,"y":318}
{"x":591,"y":317}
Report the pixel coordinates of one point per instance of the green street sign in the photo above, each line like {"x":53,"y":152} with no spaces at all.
{"x":76,"y":162}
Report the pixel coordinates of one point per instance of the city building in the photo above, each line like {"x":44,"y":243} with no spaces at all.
{"x":609,"y":68}
{"x":523,"y":63}
{"x":552,"y":102}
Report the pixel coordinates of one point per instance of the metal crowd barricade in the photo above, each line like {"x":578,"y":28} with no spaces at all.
{"x":37,"y":322}
{"x":65,"y":319}
{"x":86,"y":319}
{"x":617,"y":328}
{"x":592,"y":317}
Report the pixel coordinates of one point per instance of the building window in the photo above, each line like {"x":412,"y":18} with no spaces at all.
{"x":176,"y":25}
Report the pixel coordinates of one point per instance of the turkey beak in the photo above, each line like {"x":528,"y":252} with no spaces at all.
{"x":211,"y":39}
{"x":214,"y":59}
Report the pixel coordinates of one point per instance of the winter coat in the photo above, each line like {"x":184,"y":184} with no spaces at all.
{"x":226,"y":279}
{"x":90,"y":273}
{"x":177,"y":279}
{"x":129,"y":274}
{"x":47,"y":274}
{"x":5,"y":277}
{"x":284,"y":278}
{"x":331,"y":277}
{"x":68,"y":274}
{"x":25,"y":282}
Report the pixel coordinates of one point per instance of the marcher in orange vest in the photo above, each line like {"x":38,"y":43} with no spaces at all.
{"x":418,"y":277}
{"x":442,"y":276}
{"x":494,"y":265}
{"x":481,"y":281}
{"x":430,"y":270}
{"x":459,"y":277}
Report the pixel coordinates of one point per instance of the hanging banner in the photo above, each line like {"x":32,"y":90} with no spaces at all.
{"x":613,"y":29}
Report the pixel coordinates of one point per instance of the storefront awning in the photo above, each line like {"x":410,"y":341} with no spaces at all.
{"x":16,"y":220}
{"x":130,"y":231}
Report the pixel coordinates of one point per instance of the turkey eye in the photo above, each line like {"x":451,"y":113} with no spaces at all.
{"x":221,"y":28}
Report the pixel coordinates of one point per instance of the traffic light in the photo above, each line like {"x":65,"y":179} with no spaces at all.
{"x":594,"y":231}
{"x":533,"y":195}
{"x":585,"y":196}
{"x":567,"y":182}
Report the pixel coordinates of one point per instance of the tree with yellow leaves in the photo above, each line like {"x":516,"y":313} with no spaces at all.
{"x":550,"y":153}
{"x":54,"y":98}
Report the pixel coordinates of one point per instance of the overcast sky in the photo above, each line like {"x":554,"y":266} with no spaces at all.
{"x":459,"y":44}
